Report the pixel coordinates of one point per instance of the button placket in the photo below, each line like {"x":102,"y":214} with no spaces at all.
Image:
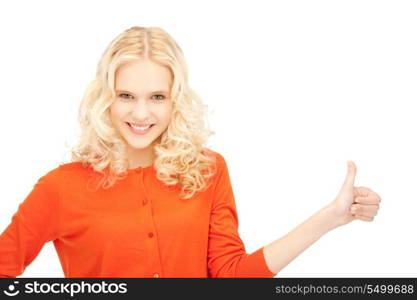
{"x":145,"y":200}
{"x":154,"y":259}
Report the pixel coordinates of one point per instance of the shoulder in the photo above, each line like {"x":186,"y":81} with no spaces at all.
{"x":76,"y":166}
{"x":216,"y":157}
{"x":220,"y":169}
{"x":65,"y":172}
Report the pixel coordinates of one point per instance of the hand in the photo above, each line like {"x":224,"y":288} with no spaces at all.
{"x":352,"y":203}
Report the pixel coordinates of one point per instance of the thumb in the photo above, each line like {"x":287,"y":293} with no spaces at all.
{"x":350,"y":176}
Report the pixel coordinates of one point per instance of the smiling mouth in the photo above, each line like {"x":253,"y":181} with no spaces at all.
{"x":140,"y":127}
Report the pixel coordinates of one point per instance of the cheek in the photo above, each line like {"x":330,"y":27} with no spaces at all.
{"x":168,"y":116}
{"x":116,"y":113}
{"x":164,"y":115}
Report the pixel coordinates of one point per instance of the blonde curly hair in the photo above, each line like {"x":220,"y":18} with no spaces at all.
{"x":181,"y":158}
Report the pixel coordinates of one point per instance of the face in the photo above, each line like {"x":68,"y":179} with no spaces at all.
{"x":142,"y":109}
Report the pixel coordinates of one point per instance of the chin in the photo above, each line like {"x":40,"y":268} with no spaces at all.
{"x":140,"y":145}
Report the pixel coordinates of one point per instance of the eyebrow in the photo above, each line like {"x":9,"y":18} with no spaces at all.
{"x":154,"y":92}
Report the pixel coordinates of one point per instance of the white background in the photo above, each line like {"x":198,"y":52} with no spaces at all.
{"x":294,"y":89}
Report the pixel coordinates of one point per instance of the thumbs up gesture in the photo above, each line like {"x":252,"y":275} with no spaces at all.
{"x":352,"y":202}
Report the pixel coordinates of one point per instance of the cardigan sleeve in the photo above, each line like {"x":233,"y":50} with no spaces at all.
{"x":227,"y":256}
{"x":33,"y":224}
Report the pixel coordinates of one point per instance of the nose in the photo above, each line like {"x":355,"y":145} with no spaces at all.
{"x":140,"y":110}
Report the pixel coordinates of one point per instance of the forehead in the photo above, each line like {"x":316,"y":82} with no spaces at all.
{"x":142,"y":76}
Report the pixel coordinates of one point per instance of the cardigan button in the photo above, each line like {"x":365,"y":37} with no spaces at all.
{"x":144,"y":201}
{"x":150,"y":234}
{"x":156,"y":275}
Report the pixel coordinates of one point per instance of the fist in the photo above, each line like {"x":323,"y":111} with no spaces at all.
{"x":352,"y":202}
{"x":366,"y":204}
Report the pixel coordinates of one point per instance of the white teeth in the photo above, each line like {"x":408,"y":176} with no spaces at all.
{"x":140,"y":128}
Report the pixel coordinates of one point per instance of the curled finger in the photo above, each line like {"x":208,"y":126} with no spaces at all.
{"x":363,"y":218}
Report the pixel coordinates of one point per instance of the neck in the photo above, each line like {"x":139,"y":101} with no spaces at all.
{"x":140,"y":157}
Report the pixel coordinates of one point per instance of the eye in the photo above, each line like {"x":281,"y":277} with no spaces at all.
{"x":162,"y":97}
{"x":121,"y":95}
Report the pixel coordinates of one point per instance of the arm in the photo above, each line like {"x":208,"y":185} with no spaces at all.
{"x":227,"y":256}
{"x":34,"y":224}
{"x":281,"y":252}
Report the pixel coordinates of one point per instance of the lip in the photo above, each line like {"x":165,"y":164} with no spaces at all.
{"x":140,"y":132}
{"x":139,"y":124}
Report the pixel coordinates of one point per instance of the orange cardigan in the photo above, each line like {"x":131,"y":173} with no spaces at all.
{"x":137,"y":228}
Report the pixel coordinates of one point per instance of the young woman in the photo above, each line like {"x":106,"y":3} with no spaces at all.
{"x":143,"y":196}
